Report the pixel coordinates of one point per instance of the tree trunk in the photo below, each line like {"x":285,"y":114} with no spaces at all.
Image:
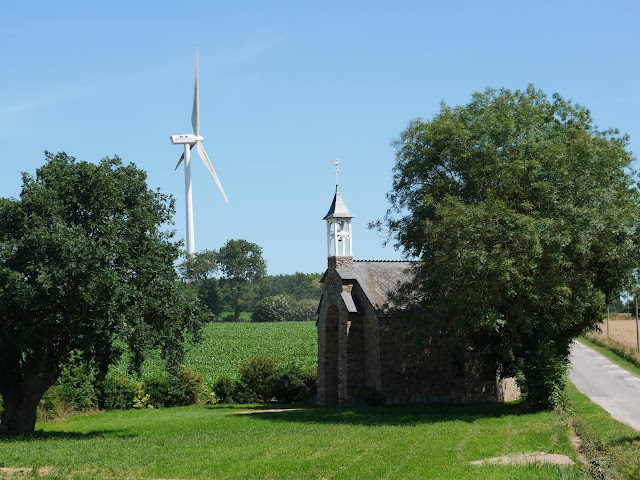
{"x":236,"y":305}
{"x":20,"y":405}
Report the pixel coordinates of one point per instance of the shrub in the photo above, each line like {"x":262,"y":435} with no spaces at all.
{"x":273,"y":309}
{"x":310,"y":377}
{"x":118,"y":393}
{"x":50,"y":405}
{"x":159,"y":390}
{"x":255,"y":372}
{"x":244,"y":394}
{"x":542,"y":378}
{"x":142,"y":400}
{"x":185,"y":388}
{"x":225,"y":388}
{"x":305,"y":311}
{"x":282,"y":308}
{"x":291,"y":384}
{"x":77,"y":385}
{"x":211,"y":398}
{"x":188,"y":387}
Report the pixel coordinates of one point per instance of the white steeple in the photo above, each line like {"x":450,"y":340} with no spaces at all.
{"x":339,"y":234}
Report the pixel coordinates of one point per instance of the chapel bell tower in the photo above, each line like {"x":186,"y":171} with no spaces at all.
{"x":339,"y":235}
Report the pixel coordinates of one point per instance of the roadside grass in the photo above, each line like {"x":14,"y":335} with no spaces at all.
{"x":225,"y":345}
{"x":215,"y":442}
{"x":612,"y":448}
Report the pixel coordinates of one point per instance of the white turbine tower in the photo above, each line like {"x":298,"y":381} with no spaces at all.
{"x":189,"y":141}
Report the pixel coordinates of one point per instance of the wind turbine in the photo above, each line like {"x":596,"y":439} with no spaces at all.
{"x":189,"y":141}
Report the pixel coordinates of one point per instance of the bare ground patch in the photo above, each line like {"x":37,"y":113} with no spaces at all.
{"x":524,"y":458}
{"x":270,"y":410}
{"x":9,"y":472}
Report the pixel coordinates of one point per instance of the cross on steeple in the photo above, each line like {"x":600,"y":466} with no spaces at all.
{"x":336,"y":162}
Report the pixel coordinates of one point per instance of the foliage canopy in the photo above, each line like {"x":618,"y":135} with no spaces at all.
{"x":524,"y":215}
{"x":83,"y":260}
{"x":241,"y":263}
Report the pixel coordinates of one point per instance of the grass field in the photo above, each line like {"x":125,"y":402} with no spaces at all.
{"x":215,"y":442}
{"x":224,"y":345}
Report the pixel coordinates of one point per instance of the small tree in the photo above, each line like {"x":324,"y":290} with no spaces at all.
{"x":241,"y":262}
{"x":197,"y":272}
{"x":200,"y":266}
{"x":524,"y":216}
{"x":83,"y":260}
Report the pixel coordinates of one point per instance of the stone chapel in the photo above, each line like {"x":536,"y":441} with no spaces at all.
{"x":362,"y":341}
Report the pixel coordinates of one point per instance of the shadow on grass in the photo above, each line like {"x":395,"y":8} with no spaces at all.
{"x":623,"y":441}
{"x":377,"y":416}
{"x":44,"y":436}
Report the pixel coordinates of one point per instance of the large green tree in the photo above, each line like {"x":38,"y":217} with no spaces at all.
{"x":83,"y":260}
{"x":241,"y":262}
{"x":524,"y":217}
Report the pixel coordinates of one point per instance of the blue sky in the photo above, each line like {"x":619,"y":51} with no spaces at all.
{"x":285,"y":88}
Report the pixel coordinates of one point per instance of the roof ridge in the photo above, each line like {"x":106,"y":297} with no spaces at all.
{"x":387,"y":261}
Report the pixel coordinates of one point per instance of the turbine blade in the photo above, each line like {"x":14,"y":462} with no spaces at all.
{"x":182,"y":157}
{"x":195,"y":112}
{"x":207,"y":163}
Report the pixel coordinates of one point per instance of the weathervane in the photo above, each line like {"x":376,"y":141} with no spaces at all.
{"x":336,"y":162}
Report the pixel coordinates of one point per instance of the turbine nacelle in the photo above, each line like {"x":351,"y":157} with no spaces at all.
{"x":188,"y":139}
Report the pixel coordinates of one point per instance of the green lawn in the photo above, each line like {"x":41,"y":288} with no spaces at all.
{"x":212,"y":442}
{"x":224,"y":345}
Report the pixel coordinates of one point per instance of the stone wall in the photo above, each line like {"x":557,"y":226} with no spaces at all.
{"x":341,"y":261}
{"x":508,"y":389}
{"x":328,"y":340}
{"x":413,"y":371}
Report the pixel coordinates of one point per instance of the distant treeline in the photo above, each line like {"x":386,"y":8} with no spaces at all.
{"x":218,"y":294}
{"x":622,"y":306}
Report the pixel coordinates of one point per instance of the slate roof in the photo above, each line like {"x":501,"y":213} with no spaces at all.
{"x":338,"y":208}
{"x":378,"y":279}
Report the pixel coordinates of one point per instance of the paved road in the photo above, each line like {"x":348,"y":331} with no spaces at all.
{"x":605,"y":383}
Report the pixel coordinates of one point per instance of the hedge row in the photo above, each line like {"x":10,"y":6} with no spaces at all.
{"x":261,"y":378}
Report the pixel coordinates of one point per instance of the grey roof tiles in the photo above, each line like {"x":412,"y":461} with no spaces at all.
{"x":338,"y":208}
{"x":378,"y":280}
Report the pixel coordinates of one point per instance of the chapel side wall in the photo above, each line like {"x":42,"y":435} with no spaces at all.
{"x":355,"y":359}
{"x":342,"y":357}
{"x":370,"y":341}
{"x":412,"y":372}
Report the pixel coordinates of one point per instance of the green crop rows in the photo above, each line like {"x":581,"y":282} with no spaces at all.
{"x":224,"y":345}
